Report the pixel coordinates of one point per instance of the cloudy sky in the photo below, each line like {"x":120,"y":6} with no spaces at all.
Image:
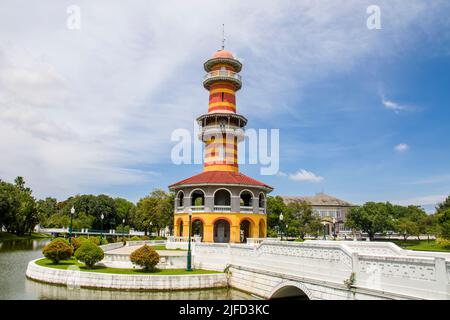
{"x":363,"y":114}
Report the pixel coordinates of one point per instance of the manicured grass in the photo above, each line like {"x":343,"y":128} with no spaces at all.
{"x":163,"y":247}
{"x":163,"y":272}
{"x":420,"y":245}
{"x":6,"y":236}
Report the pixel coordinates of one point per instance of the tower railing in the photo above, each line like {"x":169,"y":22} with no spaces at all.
{"x":222,"y":73}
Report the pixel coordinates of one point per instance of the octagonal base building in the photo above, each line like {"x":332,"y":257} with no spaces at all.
{"x":227,"y":206}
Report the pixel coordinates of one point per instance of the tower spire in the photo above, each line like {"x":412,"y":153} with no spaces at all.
{"x":223,"y":36}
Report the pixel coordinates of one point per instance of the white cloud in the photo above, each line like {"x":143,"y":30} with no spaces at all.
{"x":395,"y":106}
{"x":87,"y":108}
{"x":304,"y":175}
{"x":422,"y":201}
{"x":402,"y":147}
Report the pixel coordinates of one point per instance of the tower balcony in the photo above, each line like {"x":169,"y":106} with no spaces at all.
{"x":222,"y":75}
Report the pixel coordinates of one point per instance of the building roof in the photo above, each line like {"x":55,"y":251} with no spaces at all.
{"x":223,"y":54}
{"x":220,"y":177}
{"x":320,"y":199}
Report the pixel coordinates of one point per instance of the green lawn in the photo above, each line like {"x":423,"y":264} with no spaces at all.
{"x":6,"y":236}
{"x":420,"y":245}
{"x":163,"y":247}
{"x":164,"y":272}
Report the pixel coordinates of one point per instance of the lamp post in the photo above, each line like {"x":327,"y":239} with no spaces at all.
{"x":72,"y":213}
{"x":281,"y":221}
{"x":101,"y":231}
{"x":151,"y":227}
{"x":286,"y":233}
{"x":123,"y":226}
{"x":334,"y":228}
{"x":189,"y":267}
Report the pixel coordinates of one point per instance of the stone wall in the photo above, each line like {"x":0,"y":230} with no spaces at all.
{"x":84,"y":279}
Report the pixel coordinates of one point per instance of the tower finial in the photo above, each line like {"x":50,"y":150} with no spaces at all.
{"x":223,"y":36}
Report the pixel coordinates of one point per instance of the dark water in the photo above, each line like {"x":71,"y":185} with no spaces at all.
{"x":14,"y":258}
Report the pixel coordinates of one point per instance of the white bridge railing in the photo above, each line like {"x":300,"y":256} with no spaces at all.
{"x":379,"y":267}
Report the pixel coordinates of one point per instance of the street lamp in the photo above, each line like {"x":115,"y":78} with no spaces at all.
{"x":281,"y":221}
{"x":189,"y":266}
{"x":101,"y":231}
{"x":72,"y":213}
{"x":286,"y":233}
{"x":334,"y":228}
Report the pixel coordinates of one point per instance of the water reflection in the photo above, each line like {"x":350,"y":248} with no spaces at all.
{"x":14,"y":258}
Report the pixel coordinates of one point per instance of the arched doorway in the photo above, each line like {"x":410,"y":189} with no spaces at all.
{"x":289,"y":292}
{"x":262,"y":229}
{"x":245,"y":230}
{"x":197,"y":228}
{"x":221,"y":231}
{"x":180,"y":227}
{"x":180,"y":198}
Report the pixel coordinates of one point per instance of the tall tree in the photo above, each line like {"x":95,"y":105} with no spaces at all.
{"x":371,"y":218}
{"x":18,"y":207}
{"x":303,"y":218}
{"x":443,"y":205}
{"x":155,"y":211}
{"x":275,"y":206}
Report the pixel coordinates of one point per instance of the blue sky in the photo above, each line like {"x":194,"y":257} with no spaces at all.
{"x":363,"y":112}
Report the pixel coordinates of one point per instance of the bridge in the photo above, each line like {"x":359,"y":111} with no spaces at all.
{"x":329,"y":269}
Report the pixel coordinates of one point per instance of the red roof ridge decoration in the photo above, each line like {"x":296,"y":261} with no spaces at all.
{"x":221,"y":177}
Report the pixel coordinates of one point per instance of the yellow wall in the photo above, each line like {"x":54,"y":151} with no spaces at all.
{"x":234,"y":219}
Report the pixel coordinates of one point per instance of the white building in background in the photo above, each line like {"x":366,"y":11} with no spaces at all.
{"x":331,"y":210}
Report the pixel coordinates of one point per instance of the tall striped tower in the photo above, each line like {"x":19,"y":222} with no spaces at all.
{"x":221,"y":204}
{"x":222,"y":127}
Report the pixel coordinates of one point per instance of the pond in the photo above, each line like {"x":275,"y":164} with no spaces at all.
{"x":14,"y":258}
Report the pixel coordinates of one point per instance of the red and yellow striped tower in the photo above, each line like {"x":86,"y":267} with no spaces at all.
{"x":226,"y":205}
{"x":222,"y":127}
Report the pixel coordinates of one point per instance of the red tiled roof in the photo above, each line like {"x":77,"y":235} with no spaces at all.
{"x":220,"y":177}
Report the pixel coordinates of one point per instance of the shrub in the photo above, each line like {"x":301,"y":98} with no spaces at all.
{"x":77,"y":242}
{"x":89,"y":253}
{"x":443,"y":242}
{"x":145,"y":257}
{"x":135,"y":238}
{"x":57,"y":250}
{"x":145,"y":238}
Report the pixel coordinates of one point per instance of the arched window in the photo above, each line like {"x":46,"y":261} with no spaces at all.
{"x":262,"y":200}
{"x":197,"y":198}
{"x":222,"y":197}
{"x":181,"y":199}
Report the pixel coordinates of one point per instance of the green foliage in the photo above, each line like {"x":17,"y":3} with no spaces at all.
{"x":303,"y":218}
{"x":372,"y":217}
{"x":145,"y":257}
{"x":275,"y":206}
{"x":407,"y":227}
{"x":57,"y":250}
{"x":145,"y":238}
{"x":77,"y":242}
{"x":135,"y":238}
{"x":155,"y":211}
{"x":443,"y":242}
{"x":445,"y":205}
{"x":89,"y":253}
{"x":18,"y":210}
{"x":443,"y":218}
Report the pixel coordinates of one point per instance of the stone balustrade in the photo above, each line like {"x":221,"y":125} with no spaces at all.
{"x":378,"y":267}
